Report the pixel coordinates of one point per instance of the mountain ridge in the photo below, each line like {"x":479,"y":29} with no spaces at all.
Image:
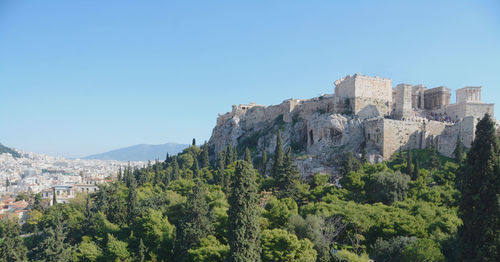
{"x":4,"y":149}
{"x":140,"y":152}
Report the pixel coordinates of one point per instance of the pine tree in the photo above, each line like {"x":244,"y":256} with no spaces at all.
{"x":279,"y":157}
{"x":198,"y":219}
{"x":248,"y":156}
{"x":194,"y":142}
{"x":479,"y":209}
{"x":205,"y":162}
{"x":459,"y":151}
{"x":243,"y":216}
{"x":263,"y":163}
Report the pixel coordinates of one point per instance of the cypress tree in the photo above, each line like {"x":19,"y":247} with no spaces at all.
{"x":132,"y":204}
{"x":229,"y":155}
{"x":263,"y":164}
{"x":119,"y":175}
{"x":409,"y":163}
{"x":416,"y":170}
{"x":279,"y":157}
{"x":479,"y":208}
{"x":248,"y":156}
{"x":243,"y":216}
{"x":288,"y":178}
{"x":434,"y":158}
{"x":142,"y":251}
{"x":205,"y":162}
{"x":196,"y":167}
{"x":175,"y":169}
{"x":459,"y":151}
{"x":194,"y":142}
{"x":54,"y":199}
{"x":235,"y":154}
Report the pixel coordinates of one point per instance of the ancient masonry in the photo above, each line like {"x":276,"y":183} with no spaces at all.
{"x":364,"y":114}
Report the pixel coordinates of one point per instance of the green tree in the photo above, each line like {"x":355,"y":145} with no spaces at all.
{"x":205,"y":161}
{"x":409,"y":163}
{"x":349,"y":163}
{"x":53,"y":247}
{"x":132,"y":204}
{"x":459,"y":150}
{"x":54,"y":198}
{"x":141,"y":256}
{"x":194,"y":142}
{"x":387,"y":187}
{"x":116,"y":250}
{"x":175,"y":169}
{"x":209,"y":250}
{"x":198,"y":218}
{"x":279,"y":245}
{"x":248,"y":156}
{"x":279,"y":158}
{"x":479,"y":183}
{"x":288,"y":178}
{"x":12,"y":247}
{"x":88,"y":250}
{"x":422,"y":250}
{"x":243,"y":216}
{"x":221,"y":164}
{"x":156,"y":232}
{"x":263,"y":163}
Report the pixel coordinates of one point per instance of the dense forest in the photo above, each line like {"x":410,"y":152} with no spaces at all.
{"x":254,"y":206}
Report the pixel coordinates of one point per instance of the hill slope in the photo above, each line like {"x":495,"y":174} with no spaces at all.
{"x":142,"y":152}
{"x":4,"y":149}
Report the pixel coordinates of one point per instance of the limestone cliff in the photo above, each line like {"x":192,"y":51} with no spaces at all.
{"x":364,"y":115}
{"x":319,"y":134}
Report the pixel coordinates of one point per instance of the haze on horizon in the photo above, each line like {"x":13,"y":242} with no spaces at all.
{"x":85,"y":77}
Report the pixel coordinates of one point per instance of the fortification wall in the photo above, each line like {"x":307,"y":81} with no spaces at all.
{"x":476,"y":110}
{"x":405,"y":135}
{"x":373,"y":87}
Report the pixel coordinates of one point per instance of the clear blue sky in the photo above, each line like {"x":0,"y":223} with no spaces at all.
{"x":83,"y":77}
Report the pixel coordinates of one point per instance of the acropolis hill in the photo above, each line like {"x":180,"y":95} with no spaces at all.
{"x":364,"y":114}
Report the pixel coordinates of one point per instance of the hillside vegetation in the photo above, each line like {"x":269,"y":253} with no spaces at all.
{"x":415,"y":207}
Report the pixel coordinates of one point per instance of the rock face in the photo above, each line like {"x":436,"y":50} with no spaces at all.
{"x":364,"y":116}
{"x":315,"y":133}
{"x":319,"y":135}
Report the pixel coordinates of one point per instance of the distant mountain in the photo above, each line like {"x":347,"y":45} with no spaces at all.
{"x":142,"y":152}
{"x":4,"y":149}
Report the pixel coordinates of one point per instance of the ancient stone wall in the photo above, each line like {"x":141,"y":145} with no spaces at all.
{"x":404,"y":103}
{"x":364,"y":96}
{"x":460,"y":111}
